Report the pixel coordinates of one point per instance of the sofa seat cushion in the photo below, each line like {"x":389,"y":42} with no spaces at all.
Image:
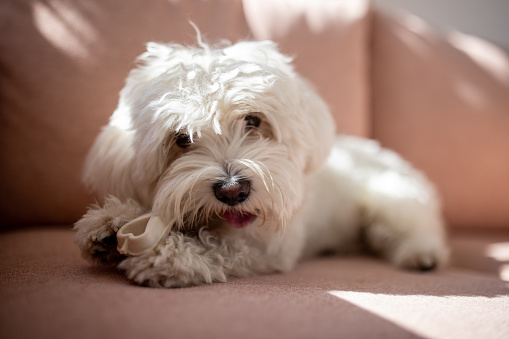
{"x":48,"y":291}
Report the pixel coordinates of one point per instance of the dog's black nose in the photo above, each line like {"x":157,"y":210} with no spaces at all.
{"x":232,"y":191}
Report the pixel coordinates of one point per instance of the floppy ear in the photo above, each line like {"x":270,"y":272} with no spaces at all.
{"x":117,"y":166}
{"x":120,"y":165}
{"x":320,"y":128}
{"x":109,"y":168}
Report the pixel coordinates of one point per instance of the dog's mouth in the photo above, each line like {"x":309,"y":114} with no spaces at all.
{"x":238,"y":219}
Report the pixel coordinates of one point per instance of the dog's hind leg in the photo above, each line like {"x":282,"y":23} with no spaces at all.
{"x":403,"y":221}
{"x":96,"y":230}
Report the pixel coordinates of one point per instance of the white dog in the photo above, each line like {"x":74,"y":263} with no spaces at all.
{"x":237,"y":155}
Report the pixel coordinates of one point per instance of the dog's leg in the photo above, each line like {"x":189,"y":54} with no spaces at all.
{"x":403,"y":221}
{"x":96,"y":230}
{"x":182,"y":260}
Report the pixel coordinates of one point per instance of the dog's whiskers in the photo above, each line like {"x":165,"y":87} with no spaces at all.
{"x":259,"y":169}
{"x":282,"y":197}
{"x":262,"y":209}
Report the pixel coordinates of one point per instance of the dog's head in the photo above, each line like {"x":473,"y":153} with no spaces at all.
{"x":207,"y":135}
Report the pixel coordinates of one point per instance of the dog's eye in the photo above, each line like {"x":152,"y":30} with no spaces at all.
{"x":252,"y":121}
{"x":183,"y":140}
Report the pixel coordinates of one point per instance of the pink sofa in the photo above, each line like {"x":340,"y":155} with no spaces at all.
{"x":442,"y":100}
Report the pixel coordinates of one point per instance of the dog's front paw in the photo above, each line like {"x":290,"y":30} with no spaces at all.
{"x":96,"y":231}
{"x":102,"y":250}
{"x":97,"y":240}
{"x":179,"y":262}
{"x":423,"y":254}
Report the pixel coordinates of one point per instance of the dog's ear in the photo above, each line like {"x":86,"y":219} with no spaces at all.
{"x":107,"y":168}
{"x":320,"y":129}
{"x":305,"y":125}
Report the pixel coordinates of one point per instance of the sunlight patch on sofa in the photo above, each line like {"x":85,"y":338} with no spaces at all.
{"x":486,"y":55}
{"x":472,"y":94}
{"x":65,"y":28}
{"x":423,"y":314}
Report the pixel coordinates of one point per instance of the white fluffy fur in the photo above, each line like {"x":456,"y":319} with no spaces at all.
{"x":310,"y":190}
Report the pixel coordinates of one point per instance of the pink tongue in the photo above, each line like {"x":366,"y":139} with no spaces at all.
{"x":237,"y":219}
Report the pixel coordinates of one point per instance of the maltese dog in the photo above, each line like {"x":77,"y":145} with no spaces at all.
{"x":224,"y":162}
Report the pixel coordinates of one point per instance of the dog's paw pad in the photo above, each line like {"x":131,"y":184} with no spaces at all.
{"x":427,"y":264}
{"x":423,"y":263}
{"x":103,"y":251}
{"x":422,"y":257}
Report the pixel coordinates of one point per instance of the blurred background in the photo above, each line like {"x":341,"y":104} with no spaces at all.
{"x":488,"y":19}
